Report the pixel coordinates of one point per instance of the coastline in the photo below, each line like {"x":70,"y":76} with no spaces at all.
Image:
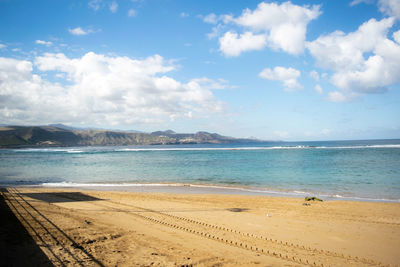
{"x":331,"y":170}
{"x":126,"y":228}
{"x":201,"y":188}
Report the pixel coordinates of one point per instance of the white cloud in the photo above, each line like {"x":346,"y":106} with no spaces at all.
{"x":184,"y":15}
{"x":342,"y":51}
{"x":131,"y":12}
{"x":288,"y":76}
{"x":211,"y":18}
{"x":390,"y":7}
{"x":46,"y":43}
{"x":95,"y":4}
{"x":101,"y":90}
{"x":337,"y":96}
{"x":79,"y":31}
{"x":314,"y":74}
{"x":373,"y":77}
{"x":396,"y":36}
{"x":216,"y":31}
{"x":232,"y":44}
{"x":318,"y":89}
{"x":356,"y":2}
{"x":113,"y":7}
{"x":2,"y":46}
{"x":364,"y":61}
{"x":285,"y":24}
{"x":216,"y":19}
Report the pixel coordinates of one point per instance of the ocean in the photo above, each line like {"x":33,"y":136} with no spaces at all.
{"x":357,"y":170}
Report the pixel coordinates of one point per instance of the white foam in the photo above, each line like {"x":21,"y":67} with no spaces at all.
{"x":67,"y":150}
{"x":258,"y":148}
{"x":360,"y":146}
{"x":133,"y":149}
{"x":191,"y":149}
{"x":75,"y":151}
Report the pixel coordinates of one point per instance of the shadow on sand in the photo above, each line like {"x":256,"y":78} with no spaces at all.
{"x":17,"y":247}
{"x":58,"y":197}
{"x":43,"y":226}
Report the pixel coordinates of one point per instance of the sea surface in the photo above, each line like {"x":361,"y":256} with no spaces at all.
{"x":359,"y":170}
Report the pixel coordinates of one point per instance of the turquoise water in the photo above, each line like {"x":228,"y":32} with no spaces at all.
{"x":352,"y":169}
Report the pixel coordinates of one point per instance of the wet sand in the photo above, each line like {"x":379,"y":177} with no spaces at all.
{"x":75,"y":227}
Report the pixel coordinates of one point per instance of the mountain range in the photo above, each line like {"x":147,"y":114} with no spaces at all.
{"x":62,"y":135}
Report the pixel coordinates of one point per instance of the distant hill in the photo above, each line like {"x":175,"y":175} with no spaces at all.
{"x":63,"y":126}
{"x":61,"y":135}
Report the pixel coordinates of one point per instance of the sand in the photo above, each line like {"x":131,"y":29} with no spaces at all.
{"x":75,"y":227}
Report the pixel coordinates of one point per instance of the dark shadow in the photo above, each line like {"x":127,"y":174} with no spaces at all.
{"x":237,"y":209}
{"x":58,"y":197}
{"x":14,"y":192}
{"x":17,"y":247}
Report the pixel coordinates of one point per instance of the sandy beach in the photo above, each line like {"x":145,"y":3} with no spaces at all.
{"x":72,"y":227}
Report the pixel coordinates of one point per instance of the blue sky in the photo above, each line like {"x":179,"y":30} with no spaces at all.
{"x":299,"y":70}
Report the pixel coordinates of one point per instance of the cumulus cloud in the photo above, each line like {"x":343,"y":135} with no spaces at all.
{"x":339,"y":50}
{"x":113,"y":7}
{"x":364,"y":61}
{"x":288,"y":76}
{"x":46,"y":43}
{"x":283,"y":26}
{"x":390,"y":7}
{"x":99,"y":89}
{"x":2,"y":46}
{"x":232,"y":44}
{"x":79,"y":31}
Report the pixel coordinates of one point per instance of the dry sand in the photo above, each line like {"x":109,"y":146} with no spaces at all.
{"x":89,"y":228}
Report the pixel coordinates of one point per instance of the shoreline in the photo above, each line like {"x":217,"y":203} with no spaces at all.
{"x":149,"y":228}
{"x":337,"y":170}
{"x":191,"y":188}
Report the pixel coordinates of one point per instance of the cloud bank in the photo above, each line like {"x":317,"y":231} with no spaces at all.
{"x":278,"y":26}
{"x":364,"y":61}
{"x":100,"y":90}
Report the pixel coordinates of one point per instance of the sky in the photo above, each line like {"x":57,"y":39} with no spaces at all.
{"x":274,"y":70}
